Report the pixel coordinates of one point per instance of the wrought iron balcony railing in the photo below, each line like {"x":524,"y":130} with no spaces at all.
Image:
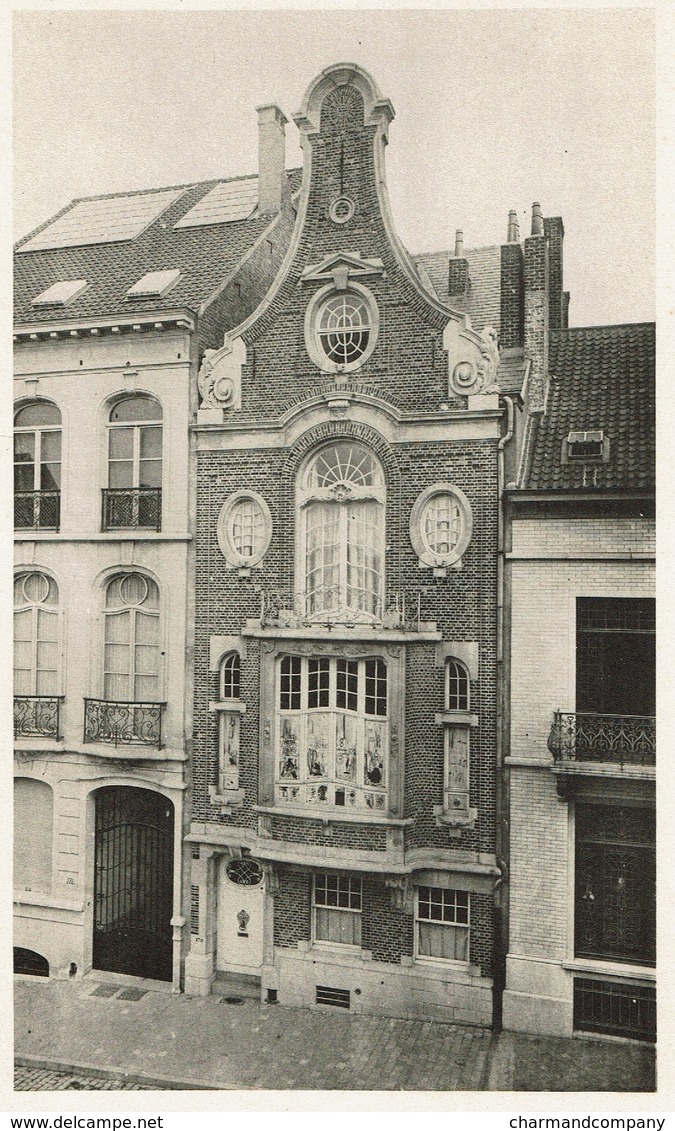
{"x":344,"y":606}
{"x":629,"y":740}
{"x":132,"y":508}
{"x":37,"y":510}
{"x":123,"y":723}
{"x":36,"y":716}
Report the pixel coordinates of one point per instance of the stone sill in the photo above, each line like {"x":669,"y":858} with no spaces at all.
{"x":99,"y":536}
{"x":233,"y":705}
{"x":39,"y":899}
{"x":603,"y":769}
{"x":456,"y":718}
{"x":130,"y":753}
{"x":455,"y":820}
{"x":621,"y":970}
{"x":23,"y":746}
{"x":229,"y":799}
{"x":330,"y":818}
{"x":362,"y":633}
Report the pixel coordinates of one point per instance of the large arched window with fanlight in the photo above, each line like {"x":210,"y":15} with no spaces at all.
{"x":341,"y":521}
{"x":130,"y":710}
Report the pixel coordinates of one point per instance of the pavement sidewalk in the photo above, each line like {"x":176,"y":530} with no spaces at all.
{"x":147,"y":1036}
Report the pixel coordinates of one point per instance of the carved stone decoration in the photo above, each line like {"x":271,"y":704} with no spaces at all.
{"x":399,"y":891}
{"x":219,"y":377}
{"x":272,"y":878}
{"x":489,"y":348}
{"x":464,"y":377}
{"x":342,"y":109}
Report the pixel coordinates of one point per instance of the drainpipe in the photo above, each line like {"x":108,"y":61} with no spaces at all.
{"x":501,"y":794}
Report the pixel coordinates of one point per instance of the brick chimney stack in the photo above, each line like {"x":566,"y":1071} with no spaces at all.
{"x":271,"y":158}
{"x":537,"y":220}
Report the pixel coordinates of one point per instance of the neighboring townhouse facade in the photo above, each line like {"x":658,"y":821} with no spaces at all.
{"x":115,"y":299}
{"x":344,"y":837}
{"x":580,"y":741}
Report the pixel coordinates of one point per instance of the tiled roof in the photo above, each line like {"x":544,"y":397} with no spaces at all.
{"x":602,"y":378}
{"x":205,"y":257}
{"x":482,"y":301}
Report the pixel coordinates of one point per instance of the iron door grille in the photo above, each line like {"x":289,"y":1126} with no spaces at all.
{"x":133,"y":882}
{"x":618,"y":1008}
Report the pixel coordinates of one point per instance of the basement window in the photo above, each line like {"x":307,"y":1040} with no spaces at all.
{"x":586,"y":446}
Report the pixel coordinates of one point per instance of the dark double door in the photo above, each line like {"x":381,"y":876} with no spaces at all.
{"x":133,"y":882}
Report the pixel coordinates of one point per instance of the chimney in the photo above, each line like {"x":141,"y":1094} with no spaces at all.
{"x":555,"y":233}
{"x":271,"y":158}
{"x":513,"y":230}
{"x":459,"y":242}
{"x":537,"y":220}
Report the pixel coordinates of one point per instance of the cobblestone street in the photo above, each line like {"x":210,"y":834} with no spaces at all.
{"x":46,"y":1080}
{"x":165,"y":1041}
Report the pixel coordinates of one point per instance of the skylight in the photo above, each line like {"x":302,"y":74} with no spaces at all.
{"x":227,"y":201}
{"x":103,"y":220}
{"x":154,"y":284}
{"x":65,"y":290}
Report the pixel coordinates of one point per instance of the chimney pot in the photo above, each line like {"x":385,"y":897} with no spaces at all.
{"x":271,"y":158}
{"x":537,"y":220}
{"x":459,"y":242}
{"x":513,"y":229}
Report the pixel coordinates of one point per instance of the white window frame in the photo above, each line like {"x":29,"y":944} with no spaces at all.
{"x":304,"y":786}
{"x":427,"y":556}
{"x":349,"y":883}
{"x":136,"y":427}
{"x":34,"y":608}
{"x":313,"y":313}
{"x":37,"y":431}
{"x":439,"y":960}
{"x":132,"y":675}
{"x":229,"y":550}
{"x":341,"y":495}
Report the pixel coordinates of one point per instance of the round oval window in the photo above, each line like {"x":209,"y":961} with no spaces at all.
{"x":246,"y":872}
{"x":441,"y":525}
{"x":344,"y":328}
{"x":246,"y":528}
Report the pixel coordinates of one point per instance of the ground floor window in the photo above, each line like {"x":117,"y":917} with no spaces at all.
{"x":337,"y":909}
{"x":442,"y":924}
{"x":615,"y":879}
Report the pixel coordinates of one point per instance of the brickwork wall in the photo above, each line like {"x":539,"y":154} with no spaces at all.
{"x":564,"y":536}
{"x":481,"y":937}
{"x":512,"y":296}
{"x":386,"y":932}
{"x":293,"y":909}
{"x":538,"y":866}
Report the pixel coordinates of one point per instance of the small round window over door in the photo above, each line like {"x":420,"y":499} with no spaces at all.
{"x":244,"y":529}
{"x":441,"y":525}
{"x":245,"y":872}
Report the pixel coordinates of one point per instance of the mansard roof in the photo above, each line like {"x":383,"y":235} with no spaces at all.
{"x":205,"y":253}
{"x":601,"y":379}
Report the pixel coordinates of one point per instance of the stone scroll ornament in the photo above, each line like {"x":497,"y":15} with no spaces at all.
{"x":219,"y":377}
{"x":469,"y":378}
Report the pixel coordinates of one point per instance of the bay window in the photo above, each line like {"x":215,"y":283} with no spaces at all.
{"x":332,"y":732}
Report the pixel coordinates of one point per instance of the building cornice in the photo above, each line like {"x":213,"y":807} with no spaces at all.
{"x":182,"y":319}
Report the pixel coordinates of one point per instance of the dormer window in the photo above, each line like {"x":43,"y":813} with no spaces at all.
{"x":154,"y":284}
{"x":586,"y":447}
{"x":61,"y":293}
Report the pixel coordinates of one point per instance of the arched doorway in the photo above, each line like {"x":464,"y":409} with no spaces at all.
{"x":133,"y":882}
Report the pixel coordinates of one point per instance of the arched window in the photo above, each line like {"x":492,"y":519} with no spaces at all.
{"x":131,"y":652}
{"x":341,"y":499}
{"x":456,"y":686}
{"x":134,"y":494}
{"x":37,"y":466}
{"x":36,"y":635}
{"x":229,"y":676}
